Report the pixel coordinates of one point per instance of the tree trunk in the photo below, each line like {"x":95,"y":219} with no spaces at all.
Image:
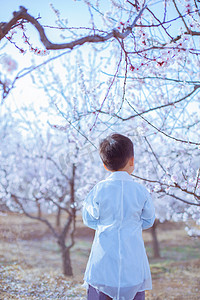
{"x":72,"y":200}
{"x":39,"y":210}
{"x":66,"y":261}
{"x":58,"y":215}
{"x":156,"y":248}
{"x":67,"y":267}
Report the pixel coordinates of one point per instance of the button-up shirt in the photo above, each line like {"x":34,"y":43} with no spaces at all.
{"x":118,"y":209}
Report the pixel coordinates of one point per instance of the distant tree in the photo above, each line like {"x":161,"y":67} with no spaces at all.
{"x":42,"y":172}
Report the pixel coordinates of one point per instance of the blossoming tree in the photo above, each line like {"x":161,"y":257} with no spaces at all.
{"x":42,"y":173}
{"x":148,"y":87}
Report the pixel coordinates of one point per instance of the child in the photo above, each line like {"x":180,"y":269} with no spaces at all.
{"x":118,"y":209}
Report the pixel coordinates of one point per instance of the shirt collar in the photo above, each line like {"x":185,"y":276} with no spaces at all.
{"x":120,"y":175}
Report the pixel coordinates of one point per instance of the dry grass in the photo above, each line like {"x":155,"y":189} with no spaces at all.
{"x":30,"y":262}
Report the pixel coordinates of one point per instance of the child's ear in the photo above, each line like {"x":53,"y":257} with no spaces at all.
{"x":106,"y":167}
{"x":132,"y":161}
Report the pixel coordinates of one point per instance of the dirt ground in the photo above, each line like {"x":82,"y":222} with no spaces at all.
{"x":30,"y":262}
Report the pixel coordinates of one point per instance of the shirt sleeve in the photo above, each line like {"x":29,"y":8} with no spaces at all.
{"x":148,"y":212}
{"x":90,"y":212}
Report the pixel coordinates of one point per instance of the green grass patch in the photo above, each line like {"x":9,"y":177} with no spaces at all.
{"x":181,"y":253}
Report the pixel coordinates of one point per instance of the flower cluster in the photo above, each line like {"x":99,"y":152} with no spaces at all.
{"x":9,"y":64}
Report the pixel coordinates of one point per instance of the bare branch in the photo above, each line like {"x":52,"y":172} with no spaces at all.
{"x":34,"y":217}
{"x":154,"y":154}
{"x":181,"y":16}
{"x":197,"y":181}
{"x":164,"y":105}
{"x":160,"y":23}
{"x":153,"y":108}
{"x":161,"y":131}
{"x":111,"y":84}
{"x":5,"y":89}
{"x":182,"y":200}
{"x":171,"y":186}
{"x":58,"y":205}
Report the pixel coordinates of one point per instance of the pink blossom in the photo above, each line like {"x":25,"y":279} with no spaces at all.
{"x":8,"y":63}
{"x":174,"y":178}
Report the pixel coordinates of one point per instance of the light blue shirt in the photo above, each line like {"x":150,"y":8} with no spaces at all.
{"x":118,"y":209}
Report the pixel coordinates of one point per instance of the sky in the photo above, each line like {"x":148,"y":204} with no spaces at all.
{"x":74,"y":10}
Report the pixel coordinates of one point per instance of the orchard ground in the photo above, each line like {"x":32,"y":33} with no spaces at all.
{"x":30,"y":262}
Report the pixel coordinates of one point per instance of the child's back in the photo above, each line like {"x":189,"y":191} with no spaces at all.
{"x":118,"y":209}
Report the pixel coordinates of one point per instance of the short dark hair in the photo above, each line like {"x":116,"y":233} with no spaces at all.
{"x":115,"y":151}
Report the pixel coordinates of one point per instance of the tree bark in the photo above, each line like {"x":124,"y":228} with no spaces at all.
{"x":72,"y":200}
{"x":58,"y":215}
{"x":95,"y":38}
{"x":66,"y":261}
{"x":156,"y":248}
{"x":39,"y":212}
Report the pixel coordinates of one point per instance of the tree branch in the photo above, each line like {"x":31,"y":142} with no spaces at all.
{"x":171,"y":186}
{"x":183,"y":200}
{"x":137,"y":114}
{"x":23,"y":15}
{"x":162,"y":132}
{"x":34,"y":217}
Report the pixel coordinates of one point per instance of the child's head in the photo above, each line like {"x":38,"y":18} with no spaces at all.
{"x":116,"y":152}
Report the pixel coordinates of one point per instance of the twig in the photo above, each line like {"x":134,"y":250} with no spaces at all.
{"x":162,"y":132}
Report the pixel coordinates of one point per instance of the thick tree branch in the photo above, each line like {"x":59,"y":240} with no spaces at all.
{"x":23,"y":15}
